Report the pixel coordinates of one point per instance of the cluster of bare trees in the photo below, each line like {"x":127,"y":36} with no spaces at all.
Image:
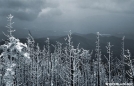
{"x":28,"y":65}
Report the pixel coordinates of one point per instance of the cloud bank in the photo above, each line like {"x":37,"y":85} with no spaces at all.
{"x":76,"y":15}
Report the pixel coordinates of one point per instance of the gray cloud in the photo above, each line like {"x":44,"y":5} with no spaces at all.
{"x":76,"y":15}
{"x":22,"y":9}
{"x":125,"y":6}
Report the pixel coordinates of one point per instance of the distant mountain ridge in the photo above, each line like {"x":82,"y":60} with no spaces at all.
{"x":23,"y":33}
{"x":87,"y":41}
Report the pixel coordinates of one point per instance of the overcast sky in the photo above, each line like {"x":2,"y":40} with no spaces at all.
{"x":76,"y":15}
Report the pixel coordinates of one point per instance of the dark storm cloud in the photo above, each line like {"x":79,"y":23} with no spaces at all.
{"x":123,"y":6}
{"x":76,"y":15}
{"x":22,"y":9}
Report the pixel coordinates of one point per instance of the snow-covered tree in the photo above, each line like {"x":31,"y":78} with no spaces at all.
{"x":98,"y":56}
{"x":129,"y":63}
{"x":12,"y":51}
{"x":109,"y":60}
